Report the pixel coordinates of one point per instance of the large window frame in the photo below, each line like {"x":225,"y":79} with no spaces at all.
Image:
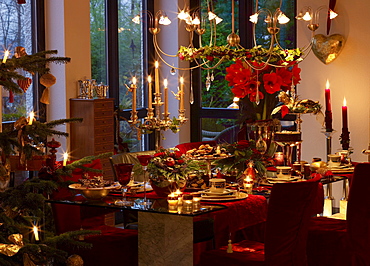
{"x":246,"y":7}
{"x":113,"y":63}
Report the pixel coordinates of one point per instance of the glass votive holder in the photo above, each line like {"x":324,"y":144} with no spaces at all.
{"x":187,"y":202}
{"x":196,"y":199}
{"x":172,"y":200}
{"x":178,"y":193}
{"x":248,"y":183}
{"x":279,"y":158}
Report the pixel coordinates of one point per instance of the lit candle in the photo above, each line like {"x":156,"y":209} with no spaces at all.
{"x":65,"y":158}
{"x":36,"y":233}
{"x":150,"y":92}
{"x":178,"y":193}
{"x":172,"y":200}
{"x":181,"y":93}
{"x":328,"y":114}
{"x":279,"y":158}
{"x":30,"y":119}
{"x":156,"y":76}
{"x":133,"y":87}
{"x":248,"y":184}
{"x":165,"y":83}
{"x":344,"y":114}
{"x":6,"y":54}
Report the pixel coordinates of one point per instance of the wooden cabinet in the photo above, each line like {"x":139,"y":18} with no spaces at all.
{"x":95,"y":135}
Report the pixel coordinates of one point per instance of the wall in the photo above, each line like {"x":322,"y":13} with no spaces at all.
{"x":348,"y":77}
{"x":71,"y":39}
{"x":170,"y":39}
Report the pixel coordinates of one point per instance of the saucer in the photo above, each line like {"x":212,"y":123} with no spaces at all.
{"x":213,"y":193}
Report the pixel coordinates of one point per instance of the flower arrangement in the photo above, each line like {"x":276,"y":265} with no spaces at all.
{"x":170,"y":165}
{"x":243,"y":152}
{"x":291,"y":104}
{"x":260,"y":88}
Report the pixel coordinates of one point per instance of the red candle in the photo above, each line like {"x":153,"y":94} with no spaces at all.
{"x":344,"y":115}
{"x":327,"y":96}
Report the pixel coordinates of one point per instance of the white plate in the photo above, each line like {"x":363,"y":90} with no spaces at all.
{"x":282,"y":180}
{"x":213,"y":193}
{"x":80,"y":187}
{"x":239,"y":196}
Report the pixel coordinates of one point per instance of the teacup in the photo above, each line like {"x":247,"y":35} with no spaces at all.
{"x":334,"y":160}
{"x":283,"y":171}
{"x":217,"y":185}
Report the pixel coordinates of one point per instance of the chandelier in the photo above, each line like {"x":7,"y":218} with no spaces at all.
{"x":211,"y":56}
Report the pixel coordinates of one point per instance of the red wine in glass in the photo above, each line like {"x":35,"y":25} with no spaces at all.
{"x":144,"y":161}
{"x":123,"y":171}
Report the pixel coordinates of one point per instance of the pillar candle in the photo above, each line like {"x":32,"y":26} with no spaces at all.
{"x":6,"y":54}
{"x":150,"y":92}
{"x":156,"y":77}
{"x":328,"y":113}
{"x":133,"y":86}
{"x":65,"y":158}
{"x":30,"y":119}
{"x":327,"y":96}
{"x":181,"y":93}
{"x":344,"y":115}
{"x":165,"y":83}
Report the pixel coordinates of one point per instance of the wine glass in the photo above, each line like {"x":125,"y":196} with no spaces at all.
{"x":144,"y":161}
{"x":123,"y":171}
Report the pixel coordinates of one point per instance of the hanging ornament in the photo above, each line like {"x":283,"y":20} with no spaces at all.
{"x":75,"y":260}
{"x":47,"y":80}
{"x":212,"y":77}
{"x":19,"y":51}
{"x":11,"y":97}
{"x":173,"y":71}
{"x":191,"y":100}
{"x":24,"y":84}
{"x":208,"y":81}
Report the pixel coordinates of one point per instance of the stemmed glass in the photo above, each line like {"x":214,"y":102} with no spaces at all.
{"x":123,"y":171}
{"x":144,"y":161}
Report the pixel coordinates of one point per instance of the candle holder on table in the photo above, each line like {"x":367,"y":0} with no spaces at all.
{"x":328,"y":135}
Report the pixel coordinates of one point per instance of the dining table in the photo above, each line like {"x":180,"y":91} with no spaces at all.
{"x":166,"y":236}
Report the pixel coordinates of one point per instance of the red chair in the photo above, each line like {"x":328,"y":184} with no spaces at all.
{"x":184,"y":147}
{"x":109,"y":243}
{"x":290,"y":208}
{"x":344,"y":242}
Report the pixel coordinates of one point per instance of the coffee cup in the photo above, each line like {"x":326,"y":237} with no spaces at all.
{"x":217,"y":185}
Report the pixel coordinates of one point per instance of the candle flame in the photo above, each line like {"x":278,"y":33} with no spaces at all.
{"x":36,"y":232}
{"x":165,"y":83}
{"x":181,"y":80}
{"x":6,"y":54}
{"x":65,"y":158}
{"x":344,"y":101}
{"x":156,"y":64}
{"x":149,"y":79}
{"x":134,"y":80}
{"x":327,"y":84}
{"x":32,"y":116}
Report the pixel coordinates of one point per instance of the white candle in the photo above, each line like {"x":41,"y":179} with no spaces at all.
{"x":165,"y":83}
{"x":133,"y":86}
{"x":36,"y":233}
{"x":150,"y":92}
{"x":6,"y":54}
{"x":181,"y":93}
{"x":65,"y":158}
{"x":31,"y":117}
{"x":156,"y":76}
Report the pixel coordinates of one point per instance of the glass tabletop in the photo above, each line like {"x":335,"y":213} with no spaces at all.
{"x":132,"y":203}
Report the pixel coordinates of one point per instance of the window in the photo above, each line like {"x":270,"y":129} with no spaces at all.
{"x":210,"y":113}
{"x":19,"y":24}
{"x":115,"y":39}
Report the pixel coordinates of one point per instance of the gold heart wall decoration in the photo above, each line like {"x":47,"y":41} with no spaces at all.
{"x":327,"y":48}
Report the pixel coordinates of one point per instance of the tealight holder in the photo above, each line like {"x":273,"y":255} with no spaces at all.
{"x":187,"y":202}
{"x":248,"y":183}
{"x":196,"y":200}
{"x":172,"y":200}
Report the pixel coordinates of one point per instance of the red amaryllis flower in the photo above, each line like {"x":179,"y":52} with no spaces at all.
{"x":286,"y":77}
{"x":253,"y":96}
{"x":272,"y":82}
{"x":159,"y":154}
{"x":240,"y":91}
{"x":296,"y":71}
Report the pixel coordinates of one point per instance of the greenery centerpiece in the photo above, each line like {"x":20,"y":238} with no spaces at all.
{"x":169,"y":168}
{"x":243,"y":153}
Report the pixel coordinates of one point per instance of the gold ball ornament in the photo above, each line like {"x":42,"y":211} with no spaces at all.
{"x":318,"y":165}
{"x":48,"y":80}
{"x":75,"y":260}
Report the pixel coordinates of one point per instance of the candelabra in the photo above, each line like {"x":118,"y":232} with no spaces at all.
{"x":155,"y":121}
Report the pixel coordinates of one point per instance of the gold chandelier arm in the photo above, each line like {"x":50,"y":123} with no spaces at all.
{"x":158,"y":49}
